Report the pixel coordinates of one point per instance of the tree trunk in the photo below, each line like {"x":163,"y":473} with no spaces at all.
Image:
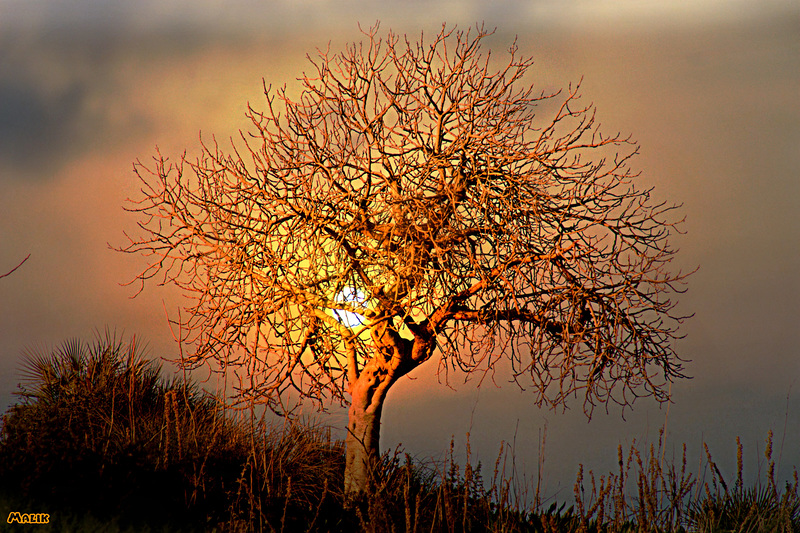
{"x":362,"y":444}
{"x":394,"y":357}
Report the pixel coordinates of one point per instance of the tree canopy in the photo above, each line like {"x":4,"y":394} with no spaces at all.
{"x":408,"y":202}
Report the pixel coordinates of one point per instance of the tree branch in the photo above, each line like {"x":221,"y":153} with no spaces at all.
{"x":16,"y":267}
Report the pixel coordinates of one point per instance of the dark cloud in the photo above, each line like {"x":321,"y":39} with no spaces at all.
{"x":58,"y":93}
{"x":37,"y":130}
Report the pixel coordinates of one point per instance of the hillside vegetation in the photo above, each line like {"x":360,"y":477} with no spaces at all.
{"x":101,"y":441}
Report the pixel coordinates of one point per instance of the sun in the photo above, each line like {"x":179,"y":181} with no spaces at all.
{"x":349,"y":318}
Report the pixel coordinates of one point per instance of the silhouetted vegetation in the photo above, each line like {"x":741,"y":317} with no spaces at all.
{"x":102,"y":442}
{"x":99,"y":430}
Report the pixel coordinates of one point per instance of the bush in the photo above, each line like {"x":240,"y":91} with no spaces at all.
{"x":99,"y":430}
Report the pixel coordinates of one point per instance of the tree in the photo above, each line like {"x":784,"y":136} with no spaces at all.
{"x":404,"y":206}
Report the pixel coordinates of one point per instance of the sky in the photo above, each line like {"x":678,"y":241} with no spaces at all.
{"x":709,"y":89}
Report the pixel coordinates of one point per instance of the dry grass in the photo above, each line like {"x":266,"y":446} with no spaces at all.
{"x":651,"y":494}
{"x":102,"y":442}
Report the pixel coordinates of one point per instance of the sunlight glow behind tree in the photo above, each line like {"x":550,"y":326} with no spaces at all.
{"x":349,"y":295}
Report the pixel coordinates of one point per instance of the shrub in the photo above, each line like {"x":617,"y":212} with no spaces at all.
{"x":99,"y":430}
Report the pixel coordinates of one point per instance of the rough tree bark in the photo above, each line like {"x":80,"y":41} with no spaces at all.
{"x":362,"y":444}
{"x":394,"y":358}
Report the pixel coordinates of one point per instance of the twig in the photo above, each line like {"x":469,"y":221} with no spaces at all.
{"x":16,"y":267}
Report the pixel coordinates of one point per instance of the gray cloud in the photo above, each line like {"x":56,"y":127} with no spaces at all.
{"x":58,"y":93}
{"x":212,"y":18}
{"x":38,"y":131}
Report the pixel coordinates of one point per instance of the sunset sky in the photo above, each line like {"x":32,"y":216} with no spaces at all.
{"x":710,"y":90}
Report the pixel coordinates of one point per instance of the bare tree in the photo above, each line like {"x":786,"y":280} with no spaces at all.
{"x":405,"y":206}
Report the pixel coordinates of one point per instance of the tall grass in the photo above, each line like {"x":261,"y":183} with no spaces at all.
{"x":657,"y":495}
{"x":101,"y":441}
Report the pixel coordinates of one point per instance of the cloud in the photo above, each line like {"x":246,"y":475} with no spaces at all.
{"x":213,"y":18}
{"x":37,"y":130}
{"x":59,"y":99}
